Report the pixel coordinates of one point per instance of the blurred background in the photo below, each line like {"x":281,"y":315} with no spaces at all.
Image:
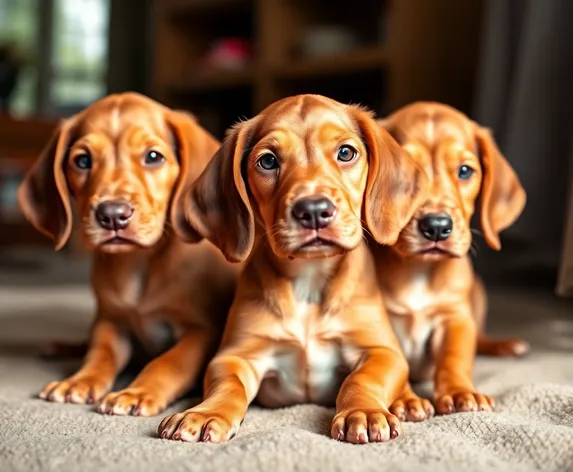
{"x":506,"y":63}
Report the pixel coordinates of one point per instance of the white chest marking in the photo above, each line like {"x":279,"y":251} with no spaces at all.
{"x":309,"y":285}
{"x":133,"y":290}
{"x":309,"y":373}
{"x":413,"y":326}
{"x":309,"y":366}
{"x":413,"y":338}
{"x":155,"y":330}
{"x":307,"y":291}
{"x":419,"y":296}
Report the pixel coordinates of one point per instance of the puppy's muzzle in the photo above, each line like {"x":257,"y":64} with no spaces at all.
{"x":314,"y":212}
{"x":114,"y":215}
{"x":436,"y":227}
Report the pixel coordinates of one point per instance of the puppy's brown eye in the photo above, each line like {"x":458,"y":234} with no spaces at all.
{"x":346,"y":154}
{"x":83,"y":162}
{"x":154,"y":158}
{"x":268,"y":162}
{"x":465,"y":172}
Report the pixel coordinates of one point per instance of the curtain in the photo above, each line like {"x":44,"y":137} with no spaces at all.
{"x":525,"y":94}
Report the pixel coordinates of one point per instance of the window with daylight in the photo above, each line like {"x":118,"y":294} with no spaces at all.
{"x":79,"y":52}
{"x":64,"y":47}
{"x":18,"y":28}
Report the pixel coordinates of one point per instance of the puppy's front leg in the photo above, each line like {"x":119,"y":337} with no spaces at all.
{"x":362,"y":413}
{"x":231,"y":383}
{"x":411,"y":407}
{"x":164,"y":379}
{"x":107,"y":354}
{"x":454,"y":388}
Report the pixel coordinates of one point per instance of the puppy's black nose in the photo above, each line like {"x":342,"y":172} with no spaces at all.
{"x":314,"y":213}
{"x":113,"y":215}
{"x":436,"y":227}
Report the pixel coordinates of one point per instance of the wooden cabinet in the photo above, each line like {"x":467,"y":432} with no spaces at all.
{"x":404,"y":50}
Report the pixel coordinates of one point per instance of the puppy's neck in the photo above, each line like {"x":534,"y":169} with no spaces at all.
{"x":329,"y":282}
{"x":304,"y":267}
{"x":394,"y":269}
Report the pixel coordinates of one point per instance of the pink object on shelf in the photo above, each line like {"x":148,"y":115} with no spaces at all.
{"x":229,"y":53}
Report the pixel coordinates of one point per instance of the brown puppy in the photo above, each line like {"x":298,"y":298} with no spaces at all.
{"x":288,"y":190}
{"x":436,"y":303}
{"x":125,"y":160}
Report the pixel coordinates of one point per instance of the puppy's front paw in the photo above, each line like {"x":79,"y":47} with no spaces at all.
{"x":134,"y":401}
{"x":412,"y":408}
{"x":195,"y":426}
{"x":362,"y":426}
{"x":75,"y":390}
{"x":463,"y":402}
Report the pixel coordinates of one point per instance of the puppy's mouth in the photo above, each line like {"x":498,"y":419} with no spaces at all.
{"x":119,"y":241}
{"x":435,"y":252}
{"x":317,"y":243}
{"x":318,"y":246}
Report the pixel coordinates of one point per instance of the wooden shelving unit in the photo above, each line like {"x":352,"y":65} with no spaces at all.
{"x":407,"y":50}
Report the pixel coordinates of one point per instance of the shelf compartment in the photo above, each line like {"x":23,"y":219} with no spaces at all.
{"x":359,"y":60}
{"x":184,"y":8}
{"x":214,"y":81}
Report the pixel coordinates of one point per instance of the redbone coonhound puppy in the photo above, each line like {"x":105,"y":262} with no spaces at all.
{"x":288,"y":190}
{"x":436,"y":303}
{"x":124,"y":161}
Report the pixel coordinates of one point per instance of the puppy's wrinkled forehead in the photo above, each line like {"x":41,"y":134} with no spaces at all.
{"x":308,"y":118}
{"x":115,"y":116}
{"x":434,"y":125}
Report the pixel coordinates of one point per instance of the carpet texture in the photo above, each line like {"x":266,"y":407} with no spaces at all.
{"x":532,"y":428}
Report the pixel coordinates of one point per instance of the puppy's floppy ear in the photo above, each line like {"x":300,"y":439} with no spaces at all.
{"x":194,"y":147}
{"x":384,"y":123}
{"x":43,"y":195}
{"x":502,"y":196}
{"x":217,"y":205}
{"x":395,"y":182}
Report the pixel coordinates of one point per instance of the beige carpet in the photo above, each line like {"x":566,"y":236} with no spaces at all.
{"x":531,"y":430}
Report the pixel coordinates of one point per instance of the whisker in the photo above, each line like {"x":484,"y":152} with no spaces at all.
{"x":367,"y":232}
{"x":363,"y":224}
{"x":272,"y":232}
